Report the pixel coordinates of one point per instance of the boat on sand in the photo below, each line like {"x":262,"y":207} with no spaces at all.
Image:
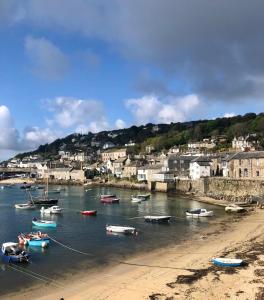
{"x":227,"y":262}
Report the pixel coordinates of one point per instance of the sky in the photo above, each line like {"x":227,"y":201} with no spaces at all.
{"x":90,"y":65}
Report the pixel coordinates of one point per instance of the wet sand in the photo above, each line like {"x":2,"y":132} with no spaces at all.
{"x":180,"y":272}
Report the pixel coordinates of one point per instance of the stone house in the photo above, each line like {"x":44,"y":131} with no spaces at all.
{"x":200,"y":167}
{"x":178,"y":164}
{"x":246,"y":165}
{"x":118,"y":166}
{"x":145,"y":173}
{"x":130,"y":170}
{"x":163,"y":176}
{"x":113,"y":154}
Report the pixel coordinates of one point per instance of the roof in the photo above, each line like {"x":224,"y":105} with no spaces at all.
{"x":151,"y":167}
{"x":120,"y":160}
{"x":246,"y":155}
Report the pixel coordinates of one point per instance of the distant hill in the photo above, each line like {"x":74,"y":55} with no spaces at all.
{"x":161,"y":136}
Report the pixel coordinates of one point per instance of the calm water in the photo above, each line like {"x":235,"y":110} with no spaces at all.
{"x":88,"y":234}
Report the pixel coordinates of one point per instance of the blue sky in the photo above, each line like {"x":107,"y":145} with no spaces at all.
{"x":84,"y":65}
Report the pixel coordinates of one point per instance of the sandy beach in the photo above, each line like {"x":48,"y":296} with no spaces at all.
{"x":177,"y":272}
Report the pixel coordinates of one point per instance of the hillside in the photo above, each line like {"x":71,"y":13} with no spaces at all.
{"x":161,"y":136}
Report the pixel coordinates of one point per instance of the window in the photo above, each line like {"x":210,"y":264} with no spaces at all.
{"x":239,"y":173}
{"x":240,"y":162}
{"x":245,"y":172}
{"x":257,"y":173}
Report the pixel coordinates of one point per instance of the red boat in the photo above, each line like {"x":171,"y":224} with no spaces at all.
{"x":109,"y":199}
{"x":89,"y":212}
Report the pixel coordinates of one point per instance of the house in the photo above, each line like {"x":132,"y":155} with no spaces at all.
{"x":246,"y":165}
{"x":205,"y":144}
{"x":118,"y":165}
{"x":178,"y":164}
{"x":150,"y":148}
{"x":200,"y":167}
{"x":163,"y":176}
{"x":130,"y":170}
{"x":145,"y":173}
{"x":242,"y":143}
{"x":130,"y":144}
{"x":108,"y":145}
{"x":113,"y":154}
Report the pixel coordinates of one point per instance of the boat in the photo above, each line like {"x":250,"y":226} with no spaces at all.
{"x":136,"y":199}
{"x":34,"y":239}
{"x":44,"y":223}
{"x":227,"y":262}
{"x":120,"y":229}
{"x":142,"y":197}
{"x":11,"y":253}
{"x":25,"y":187}
{"x":89,"y":212}
{"x":108,"y":199}
{"x":42,"y":200}
{"x":157,"y":219}
{"x":201,"y":212}
{"x":51,"y":210}
{"x":234,"y":208}
{"x":25,"y":206}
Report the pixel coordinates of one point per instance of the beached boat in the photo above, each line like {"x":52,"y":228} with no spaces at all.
{"x":44,"y":223}
{"x":89,"y":212}
{"x":157,"y":219}
{"x":227,"y":262}
{"x":108,"y":199}
{"x":25,"y":206}
{"x":34,"y":239}
{"x":51,"y":210}
{"x":11,"y":253}
{"x":234,"y":208}
{"x":197,"y":213}
{"x":120,"y":229}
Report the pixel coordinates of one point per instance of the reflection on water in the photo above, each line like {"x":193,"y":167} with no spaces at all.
{"x":87,"y":233}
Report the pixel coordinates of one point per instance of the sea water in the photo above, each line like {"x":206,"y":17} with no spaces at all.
{"x":87,"y":234}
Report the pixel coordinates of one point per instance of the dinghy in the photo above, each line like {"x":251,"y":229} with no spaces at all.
{"x":109,"y":199}
{"x":51,"y":210}
{"x":136,"y":199}
{"x":44,"y":223}
{"x":157,"y":219}
{"x":227,"y":262}
{"x":25,"y":206}
{"x":34,"y":239}
{"x":202,"y":212}
{"x":120,"y":229}
{"x":11,"y":253}
{"x":234,"y":208}
{"x":89,"y":212}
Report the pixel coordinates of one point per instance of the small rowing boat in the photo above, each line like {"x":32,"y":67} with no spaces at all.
{"x":11,"y":253}
{"x":34,"y":239}
{"x":25,"y":206}
{"x":227,"y":262}
{"x":44,"y":223}
{"x":89,"y":212}
{"x":197,"y":213}
{"x":157,"y":219}
{"x":121,"y":229}
{"x":109,"y":199}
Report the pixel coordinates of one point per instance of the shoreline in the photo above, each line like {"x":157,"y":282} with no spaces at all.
{"x":176,"y":272}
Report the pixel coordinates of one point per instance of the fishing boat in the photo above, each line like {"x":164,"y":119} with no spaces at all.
{"x":120,"y":229}
{"x":44,"y":223}
{"x":197,"y":213}
{"x":227,"y":262}
{"x":34,"y":239}
{"x":234,"y":208}
{"x":51,"y":210}
{"x":157,"y":219}
{"x":89,"y":212}
{"x":25,"y":206}
{"x":11,"y":253}
{"x":108,"y":199}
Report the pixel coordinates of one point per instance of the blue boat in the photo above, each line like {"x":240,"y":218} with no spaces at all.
{"x":43,"y":223}
{"x":34,"y":239}
{"x":227,"y":262}
{"x":11,"y":253}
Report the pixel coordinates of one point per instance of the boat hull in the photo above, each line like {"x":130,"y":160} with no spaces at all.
{"x":221,"y":262}
{"x":45,"y":225}
{"x":153,"y":219}
{"x":207,"y":214}
{"x":15,"y":258}
{"x":121,"y":229}
{"x":110,"y":201}
{"x":89,"y":212}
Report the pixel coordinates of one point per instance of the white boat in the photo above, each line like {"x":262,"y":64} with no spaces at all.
{"x":51,"y":210}
{"x":157,"y":219}
{"x":202,"y":212}
{"x":227,"y":262}
{"x":136,"y":199}
{"x":121,"y":229}
{"x":234,"y":208}
{"x":25,"y":206}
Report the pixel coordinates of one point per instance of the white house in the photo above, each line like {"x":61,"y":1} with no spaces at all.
{"x":241,"y":143}
{"x":200,"y":167}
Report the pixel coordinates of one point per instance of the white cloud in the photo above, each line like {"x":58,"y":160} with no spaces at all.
{"x":80,"y":114}
{"x":151,"y":109}
{"x":229,"y":115}
{"x":34,"y":136}
{"x":120,"y":124}
{"x":48,"y":61}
